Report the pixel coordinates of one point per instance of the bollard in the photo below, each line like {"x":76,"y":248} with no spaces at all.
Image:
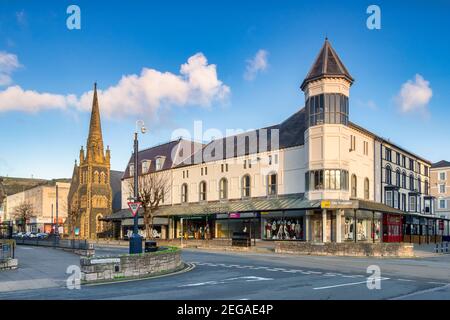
{"x":436,"y":250}
{"x":446,"y":247}
{"x":442,"y":247}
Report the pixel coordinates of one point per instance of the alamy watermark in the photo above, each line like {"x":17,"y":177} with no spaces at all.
{"x":374,"y":20}
{"x":73,"y":22}
{"x":238,"y":144}
{"x":374,"y":280}
{"x":74,"y":279}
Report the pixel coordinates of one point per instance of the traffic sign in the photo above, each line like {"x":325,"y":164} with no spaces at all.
{"x":134,"y":207}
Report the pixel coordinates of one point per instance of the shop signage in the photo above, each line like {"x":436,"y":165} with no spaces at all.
{"x":441,"y":224}
{"x":327,"y":204}
{"x":234,"y":215}
{"x":109,"y":260}
{"x":394,"y":219}
{"x":221,"y":216}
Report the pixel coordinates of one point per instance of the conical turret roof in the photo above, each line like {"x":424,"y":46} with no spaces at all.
{"x":327,"y":64}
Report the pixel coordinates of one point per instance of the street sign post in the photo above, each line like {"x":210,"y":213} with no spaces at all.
{"x":134,"y":207}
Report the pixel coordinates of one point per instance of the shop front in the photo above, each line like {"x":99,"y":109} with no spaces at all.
{"x":227,"y":224}
{"x":361,"y":226}
{"x":159,"y":228}
{"x":283,"y":225}
{"x":392,"y":228}
{"x":199,"y":227}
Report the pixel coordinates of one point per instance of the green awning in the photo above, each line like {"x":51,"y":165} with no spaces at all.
{"x":250,"y":205}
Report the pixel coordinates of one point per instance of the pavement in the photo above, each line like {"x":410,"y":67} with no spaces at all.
{"x":248,"y":276}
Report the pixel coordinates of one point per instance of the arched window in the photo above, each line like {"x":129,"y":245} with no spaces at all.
{"x":397,"y":178}
{"x":366,"y":189}
{"x":103,"y":178}
{"x":388,"y":173}
{"x":223,"y":189}
{"x":184,"y":193}
{"x":99,"y":224}
{"x":411,"y":182}
{"x":96,"y":177}
{"x":354,"y":186}
{"x":246,"y":186}
{"x":427,"y":187}
{"x":272,"y":184}
{"x":202,"y":191}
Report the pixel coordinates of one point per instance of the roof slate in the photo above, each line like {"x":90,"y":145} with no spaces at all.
{"x":440,"y":164}
{"x":327,"y":63}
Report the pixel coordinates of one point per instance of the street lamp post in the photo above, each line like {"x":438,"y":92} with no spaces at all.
{"x":56,"y":213}
{"x":136,"y":239}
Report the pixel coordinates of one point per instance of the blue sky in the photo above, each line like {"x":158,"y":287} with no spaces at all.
{"x":120,"y":38}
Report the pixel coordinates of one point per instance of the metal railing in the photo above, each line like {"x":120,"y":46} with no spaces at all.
{"x":74,"y":244}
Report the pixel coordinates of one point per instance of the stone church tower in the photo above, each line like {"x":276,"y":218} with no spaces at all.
{"x":90,"y":195}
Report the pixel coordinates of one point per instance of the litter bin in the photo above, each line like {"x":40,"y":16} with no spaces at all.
{"x":150,"y":246}
{"x":241,"y":239}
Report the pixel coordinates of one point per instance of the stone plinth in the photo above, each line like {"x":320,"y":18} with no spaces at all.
{"x":130,"y":266}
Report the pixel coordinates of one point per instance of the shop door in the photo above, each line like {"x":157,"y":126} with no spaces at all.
{"x":317,"y":230}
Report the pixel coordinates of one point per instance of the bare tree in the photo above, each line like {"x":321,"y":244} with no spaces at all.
{"x":24,"y":212}
{"x":153,"y":187}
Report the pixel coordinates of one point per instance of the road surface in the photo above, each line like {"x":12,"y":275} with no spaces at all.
{"x":219,"y":275}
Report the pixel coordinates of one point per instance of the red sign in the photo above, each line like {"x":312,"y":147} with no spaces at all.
{"x":134,"y":207}
{"x":441,"y":224}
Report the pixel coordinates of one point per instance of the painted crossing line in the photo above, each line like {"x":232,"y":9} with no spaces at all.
{"x":285,"y":270}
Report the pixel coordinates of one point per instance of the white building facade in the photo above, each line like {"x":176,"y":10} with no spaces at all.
{"x":314,"y":177}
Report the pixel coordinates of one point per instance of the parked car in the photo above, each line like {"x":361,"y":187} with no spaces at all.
{"x":18,"y":235}
{"x":42,"y":235}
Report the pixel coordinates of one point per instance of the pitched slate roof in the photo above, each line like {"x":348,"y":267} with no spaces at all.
{"x":327,"y":63}
{"x":440,"y":164}
{"x":168,"y":151}
{"x":291,"y":134}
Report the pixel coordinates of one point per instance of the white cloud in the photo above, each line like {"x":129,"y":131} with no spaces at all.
{"x":144,"y":94}
{"x":16,"y":99}
{"x":8,"y":64}
{"x":415,"y":95}
{"x":257,"y":64}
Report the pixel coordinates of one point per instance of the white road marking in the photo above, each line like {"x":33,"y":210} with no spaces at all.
{"x":433,"y":282}
{"x":246,"y":279}
{"x":421,"y":292}
{"x":405,"y":280}
{"x":347,"y":284}
{"x":275,"y":269}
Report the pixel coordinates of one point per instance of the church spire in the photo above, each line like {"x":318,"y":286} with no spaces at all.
{"x":95,"y":139}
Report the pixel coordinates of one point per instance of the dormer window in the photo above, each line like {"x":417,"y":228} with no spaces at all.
{"x":146,"y":166}
{"x":159,"y":163}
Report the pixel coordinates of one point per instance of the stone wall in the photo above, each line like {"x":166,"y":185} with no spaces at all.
{"x":346,"y":249}
{"x":130,"y":266}
{"x":8,"y":264}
